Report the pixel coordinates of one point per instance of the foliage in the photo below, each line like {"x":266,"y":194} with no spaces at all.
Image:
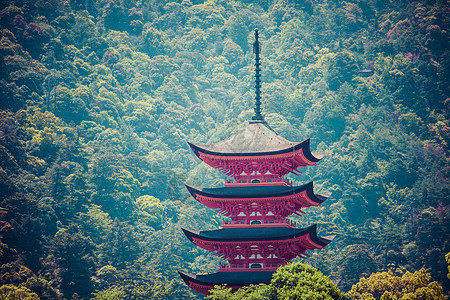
{"x":41,"y":287}
{"x":293,"y":281}
{"x":113,"y":293}
{"x":11,"y":292}
{"x":250,"y":292}
{"x":385,"y":285}
{"x":152,"y":209}
{"x":154,"y":292}
{"x":98,"y":100}
{"x":447,"y":258}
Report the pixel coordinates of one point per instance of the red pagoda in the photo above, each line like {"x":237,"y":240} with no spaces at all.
{"x":257,"y":199}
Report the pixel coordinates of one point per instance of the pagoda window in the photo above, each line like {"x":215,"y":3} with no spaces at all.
{"x":255,"y":181}
{"x":256,"y":266}
{"x":255,"y":222}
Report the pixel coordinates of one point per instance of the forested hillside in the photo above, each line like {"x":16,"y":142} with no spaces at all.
{"x":99,"y":97}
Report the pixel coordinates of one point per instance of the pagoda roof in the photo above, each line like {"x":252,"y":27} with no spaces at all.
{"x":255,"y":139}
{"x":257,"y":191}
{"x":250,"y":234}
{"x":229,"y":278}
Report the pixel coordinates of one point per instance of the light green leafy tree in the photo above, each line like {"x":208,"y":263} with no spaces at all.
{"x":113,"y":293}
{"x":12,"y":292}
{"x":154,"y":291}
{"x":447,"y":258}
{"x":293,"y":281}
{"x":385,"y":285}
{"x":254,"y":292}
{"x":150,"y":208}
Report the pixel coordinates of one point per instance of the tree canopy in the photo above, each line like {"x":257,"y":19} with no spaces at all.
{"x":385,"y":285}
{"x":293,"y":281}
{"x":98,"y":99}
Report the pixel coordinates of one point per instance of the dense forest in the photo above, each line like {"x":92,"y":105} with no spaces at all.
{"x":98,"y":99}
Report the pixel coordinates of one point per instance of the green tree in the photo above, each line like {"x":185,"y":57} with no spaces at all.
{"x":69,"y":107}
{"x":97,"y":223}
{"x":447,"y":259}
{"x":107,"y":276}
{"x":356,"y":261}
{"x":238,"y":31}
{"x":154,"y":292}
{"x":385,"y":285}
{"x":300,"y":280}
{"x":74,"y":256}
{"x":151,"y":209}
{"x":12,"y":292}
{"x":41,"y":287}
{"x":293,"y":281}
{"x":113,"y":293}
{"x":255,"y":292}
{"x":343,"y":67}
{"x":155,"y":41}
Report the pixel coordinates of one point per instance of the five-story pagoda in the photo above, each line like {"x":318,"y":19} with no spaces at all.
{"x":259,"y":238}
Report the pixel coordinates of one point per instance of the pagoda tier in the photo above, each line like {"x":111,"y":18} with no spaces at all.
{"x":261,"y":247}
{"x":235,"y":280}
{"x":258,"y":204}
{"x":257,"y":150}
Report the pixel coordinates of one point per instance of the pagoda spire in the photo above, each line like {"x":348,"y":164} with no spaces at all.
{"x":257,"y":51}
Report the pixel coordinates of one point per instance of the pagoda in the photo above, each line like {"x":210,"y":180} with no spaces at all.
{"x":257,"y":199}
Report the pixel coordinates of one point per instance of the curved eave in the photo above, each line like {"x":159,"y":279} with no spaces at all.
{"x":309,"y":188}
{"x":237,"y":237}
{"x":190,"y":234}
{"x":193,"y":191}
{"x":188,"y":278}
{"x":228,"y":278}
{"x":301,"y":145}
{"x":327,"y":239}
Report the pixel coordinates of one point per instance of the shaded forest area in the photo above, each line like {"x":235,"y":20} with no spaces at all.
{"x":98,"y":99}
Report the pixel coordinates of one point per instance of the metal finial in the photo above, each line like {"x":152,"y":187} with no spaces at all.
{"x":257,"y":51}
